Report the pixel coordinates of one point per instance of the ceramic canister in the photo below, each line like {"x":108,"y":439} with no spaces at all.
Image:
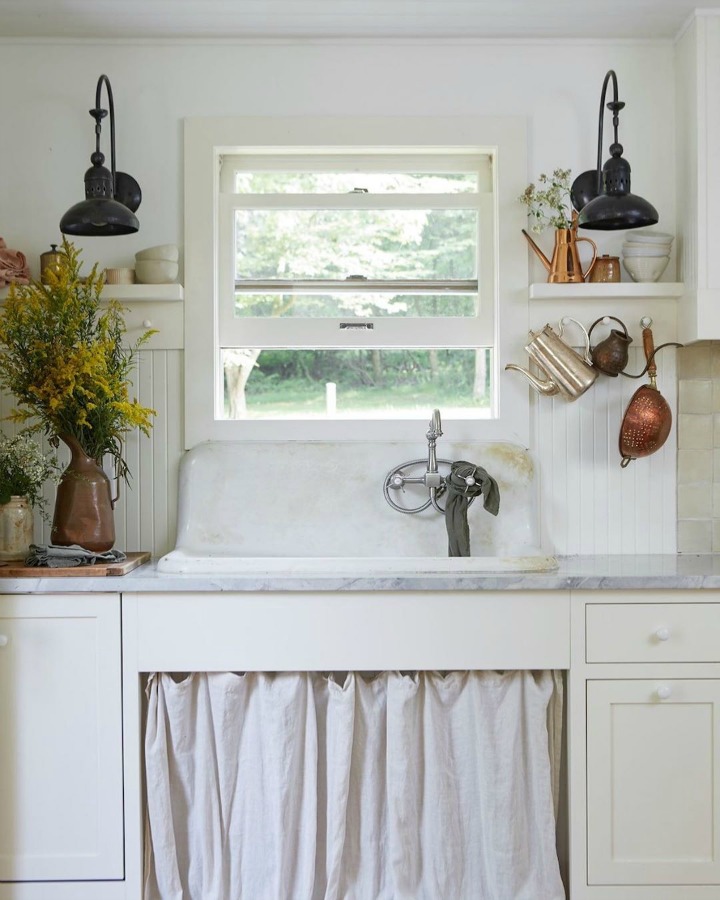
{"x":605,"y":270}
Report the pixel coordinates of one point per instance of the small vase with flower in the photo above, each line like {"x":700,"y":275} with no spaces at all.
{"x":549,"y":205}
{"x":24,"y":470}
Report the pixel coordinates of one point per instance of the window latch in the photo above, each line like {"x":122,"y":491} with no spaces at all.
{"x":356,"y":278}
{"x":356,"y":326}
{"x":359,"y":191}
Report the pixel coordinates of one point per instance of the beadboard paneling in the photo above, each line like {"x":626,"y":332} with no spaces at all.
{"x":589,"y":504}
{"x":146,"y":513}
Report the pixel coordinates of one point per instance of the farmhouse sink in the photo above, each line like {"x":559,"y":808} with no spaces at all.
{"x":184,"y":562}
{"x":318,"y":509}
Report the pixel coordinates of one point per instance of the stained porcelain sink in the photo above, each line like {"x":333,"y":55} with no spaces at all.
{"x":184,"y":562}
{"x":322,"y":513}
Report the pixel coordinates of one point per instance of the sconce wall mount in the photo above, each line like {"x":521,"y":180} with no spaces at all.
{"x":111,"y":197}
{"x":602,"y":195}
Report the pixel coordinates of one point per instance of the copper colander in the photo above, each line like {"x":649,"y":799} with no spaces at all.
{"x":648,"y":418}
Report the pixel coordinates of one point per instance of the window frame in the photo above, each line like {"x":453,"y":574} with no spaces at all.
{"x":207,"y":140}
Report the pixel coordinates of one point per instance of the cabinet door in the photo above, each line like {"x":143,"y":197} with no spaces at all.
{"x":61,"y":804}
{"x":653,"y":782}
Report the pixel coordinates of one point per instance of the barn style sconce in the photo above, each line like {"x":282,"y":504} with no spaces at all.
{"x":602,"y":196}
{"x":111,"y":197}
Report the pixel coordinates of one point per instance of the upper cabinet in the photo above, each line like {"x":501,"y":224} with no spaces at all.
{"x":697,"y":129}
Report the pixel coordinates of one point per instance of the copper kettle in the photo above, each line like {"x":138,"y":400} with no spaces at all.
{"x":611,"y":354}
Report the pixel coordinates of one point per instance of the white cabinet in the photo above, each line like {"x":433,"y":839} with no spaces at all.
{"x":644,"y":726}
{"x":653,"y":782}
{"x":697,"y":129}
{"x":61,"y":766}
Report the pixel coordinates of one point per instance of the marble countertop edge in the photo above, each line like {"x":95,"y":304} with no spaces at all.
{"x":602,"y":572}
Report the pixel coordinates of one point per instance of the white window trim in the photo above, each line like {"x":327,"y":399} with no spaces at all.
{"x":208,"y":139}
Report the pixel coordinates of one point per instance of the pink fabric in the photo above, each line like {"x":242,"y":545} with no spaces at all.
{"x":13,"y":266}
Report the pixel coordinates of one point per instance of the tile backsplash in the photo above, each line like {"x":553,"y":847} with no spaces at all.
{"x":699,"y":448}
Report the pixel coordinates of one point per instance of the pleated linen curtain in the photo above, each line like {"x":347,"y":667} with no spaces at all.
{"x":301,"y":786}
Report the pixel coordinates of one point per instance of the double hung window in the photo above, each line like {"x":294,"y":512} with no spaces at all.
{"x":345,"y":276}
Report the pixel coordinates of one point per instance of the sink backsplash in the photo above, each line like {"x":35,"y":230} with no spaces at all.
{"x":310,"y":499}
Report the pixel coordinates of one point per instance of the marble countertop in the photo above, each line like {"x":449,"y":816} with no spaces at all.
{"x":627,"y":572}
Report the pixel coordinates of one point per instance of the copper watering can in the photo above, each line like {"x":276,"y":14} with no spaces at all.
{"x":567,"y":372}
{"x":565,"y":266}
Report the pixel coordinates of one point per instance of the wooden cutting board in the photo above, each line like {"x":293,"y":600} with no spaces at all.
{"x":132,"y":561}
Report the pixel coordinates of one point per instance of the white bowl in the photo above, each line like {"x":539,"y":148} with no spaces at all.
{"x":645,"y":268}
{"x":649,"y":237}
{"x":155,"y":271}
{"x":646,"y":250}
{"x":162,"y":251}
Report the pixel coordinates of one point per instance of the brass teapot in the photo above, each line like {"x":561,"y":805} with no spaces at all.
{"x":568,"y":373}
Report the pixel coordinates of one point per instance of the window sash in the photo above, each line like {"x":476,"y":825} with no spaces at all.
{"x":446,"y":161}
{"x":355,"y":284}
{"x":426,"y":331}
{"x":321,"y":333}
{"x":353,"y":201}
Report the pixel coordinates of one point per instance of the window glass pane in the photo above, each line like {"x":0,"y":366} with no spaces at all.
{"x":345,"y":182}
{"x":341,"y":243}
{"x":359,"y":383}
{"x":347,"y":305}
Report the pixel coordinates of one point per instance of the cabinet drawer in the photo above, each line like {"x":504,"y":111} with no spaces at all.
{"x":652,"y":632}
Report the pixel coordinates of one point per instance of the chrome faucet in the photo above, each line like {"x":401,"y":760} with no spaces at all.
{"x":431,"y":478}
{"x":434,"y":432}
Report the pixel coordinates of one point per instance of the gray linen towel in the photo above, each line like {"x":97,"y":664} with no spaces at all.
{"x":459,"y":495}
{"x":52,"y":557}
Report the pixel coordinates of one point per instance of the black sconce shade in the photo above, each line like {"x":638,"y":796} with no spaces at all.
{"x":111,"y":197}
{"x":602,"y":196}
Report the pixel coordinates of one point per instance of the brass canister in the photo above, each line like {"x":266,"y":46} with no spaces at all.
{"x":49,"y":262}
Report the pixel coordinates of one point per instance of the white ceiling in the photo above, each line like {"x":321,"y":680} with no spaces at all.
{"x":345,"y":18}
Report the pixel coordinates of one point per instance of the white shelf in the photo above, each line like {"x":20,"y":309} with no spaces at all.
{"x":138,"y":293}
{"x":624,"y":290}
{"x":135,"y":293}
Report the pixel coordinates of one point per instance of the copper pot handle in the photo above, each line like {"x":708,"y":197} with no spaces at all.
{"x":594,"y":259}
{"x":649,"y":348}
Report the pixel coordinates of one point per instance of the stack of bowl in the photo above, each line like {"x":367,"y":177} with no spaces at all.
{"x":157,"y":265}
{"x":646,"y":254}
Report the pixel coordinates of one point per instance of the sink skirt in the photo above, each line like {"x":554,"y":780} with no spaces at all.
{"x":301,"y":786}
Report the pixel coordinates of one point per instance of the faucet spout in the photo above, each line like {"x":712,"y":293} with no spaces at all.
{"x":434,"y":432}
{"x":435,"y":426}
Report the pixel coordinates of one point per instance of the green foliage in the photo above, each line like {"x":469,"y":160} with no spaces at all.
{"x":335,"y":244}
{"x":63,"y":358}
{"x":24,"y":469}
{"x":551,"y":204}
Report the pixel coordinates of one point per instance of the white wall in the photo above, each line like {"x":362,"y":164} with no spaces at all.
{"x":46,"y":137}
